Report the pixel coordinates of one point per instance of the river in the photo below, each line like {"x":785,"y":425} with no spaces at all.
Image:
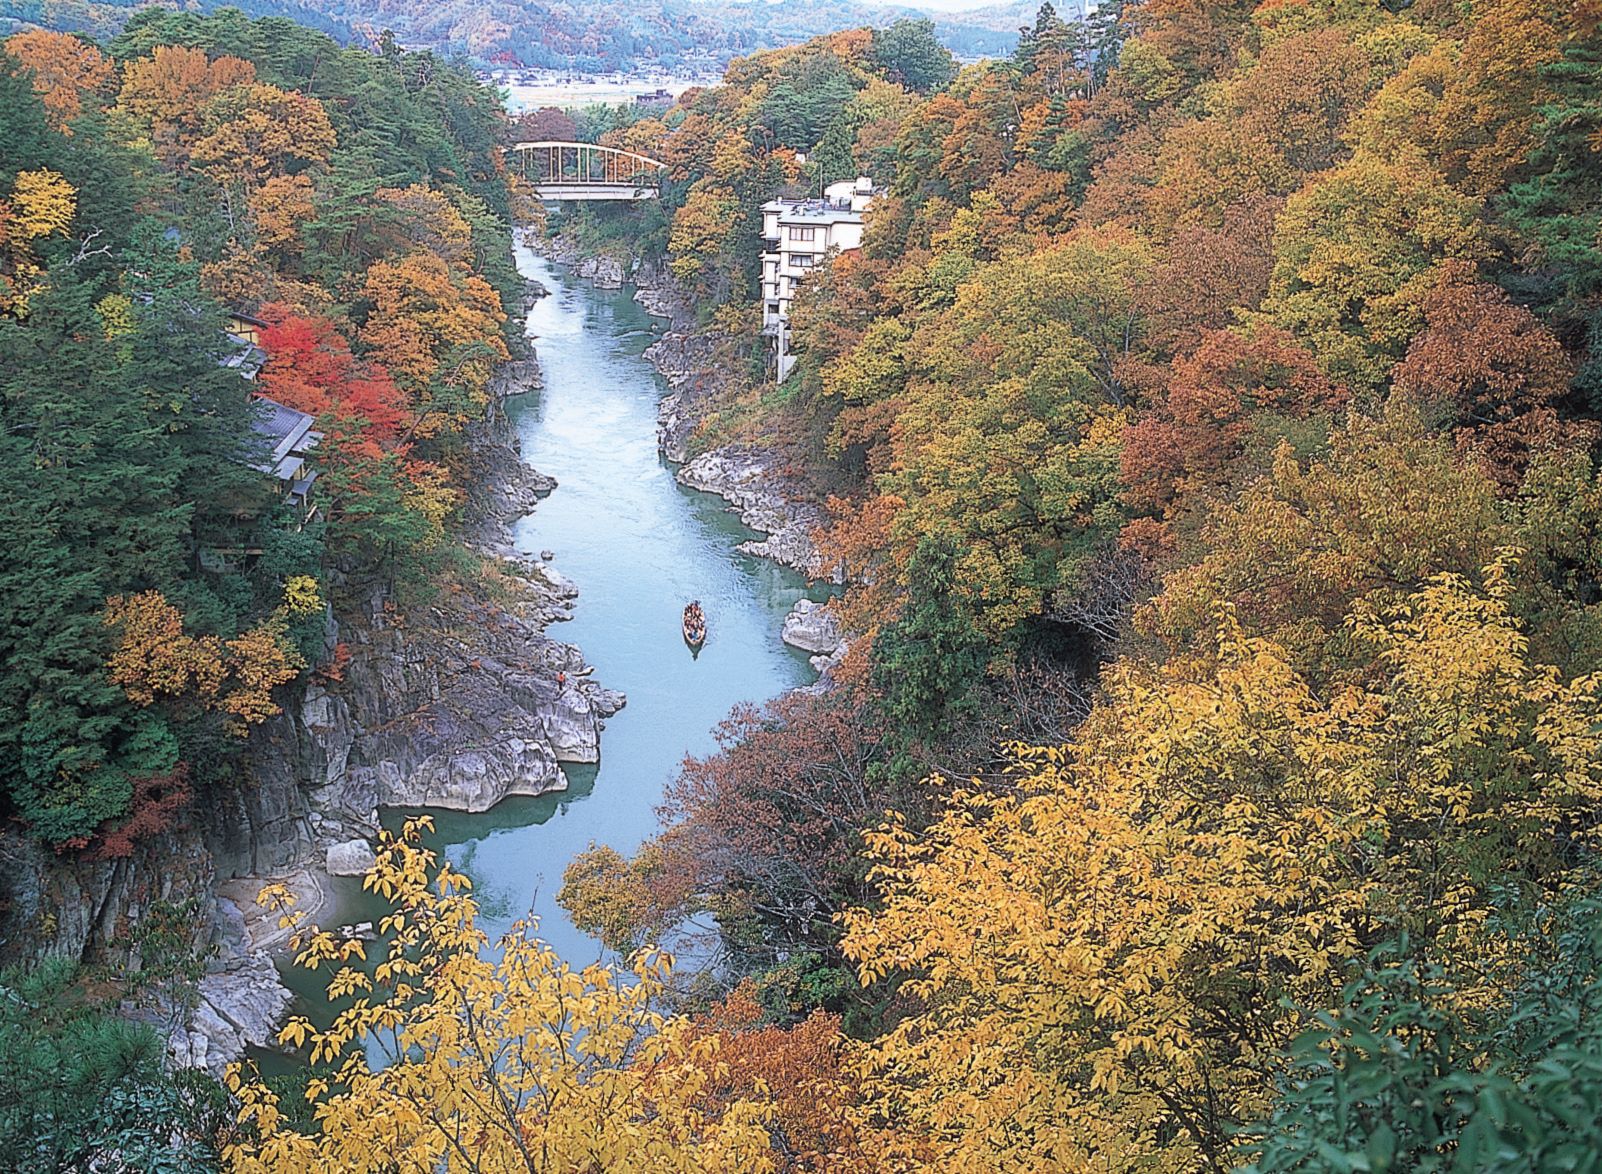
{"x":639,"y":546}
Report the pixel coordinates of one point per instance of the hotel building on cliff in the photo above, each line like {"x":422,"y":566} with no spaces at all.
{"x":800,"y":235}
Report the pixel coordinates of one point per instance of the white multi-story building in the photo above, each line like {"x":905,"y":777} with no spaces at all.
{"x":800,"y":235}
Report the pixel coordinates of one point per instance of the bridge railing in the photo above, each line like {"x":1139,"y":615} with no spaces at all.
{"x":584,"y":164}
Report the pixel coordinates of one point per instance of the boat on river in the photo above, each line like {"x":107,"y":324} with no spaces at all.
{"x":694,"y":625}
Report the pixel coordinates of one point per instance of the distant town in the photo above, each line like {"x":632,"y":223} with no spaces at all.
{"x":529,"y":89}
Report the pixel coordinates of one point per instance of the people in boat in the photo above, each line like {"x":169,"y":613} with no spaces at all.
{"x":694,"y":621}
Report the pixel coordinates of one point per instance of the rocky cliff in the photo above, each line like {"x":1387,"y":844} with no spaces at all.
{"x":607,"y":270}
{"x":758,"y":483}
{"x":455,"y":703}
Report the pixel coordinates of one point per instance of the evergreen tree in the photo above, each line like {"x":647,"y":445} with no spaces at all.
{"x":83,"y":1090}
{"x":910,"y":53}
{"x":92,"y":507}
{"x":26,"y":140}
{"x":929,"y":661}
{"x":1558,"y":207}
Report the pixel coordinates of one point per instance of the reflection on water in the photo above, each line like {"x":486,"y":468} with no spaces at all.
{"x":640,"y":547}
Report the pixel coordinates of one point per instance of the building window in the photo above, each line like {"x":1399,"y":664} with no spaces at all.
{"x":803,"y":234}
{"x":803,"y":261}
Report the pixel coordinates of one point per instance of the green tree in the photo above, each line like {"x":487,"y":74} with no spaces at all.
{"x":1558,"y":207}
{"x":929,"y":662}
{"x":909,"y":52}
{"x":93,"y":504}
{"x":83,"y":1090}
{"x":1405,"y":1075}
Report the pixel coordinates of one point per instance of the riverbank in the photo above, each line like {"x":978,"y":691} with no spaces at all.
{"x":761,"y":485}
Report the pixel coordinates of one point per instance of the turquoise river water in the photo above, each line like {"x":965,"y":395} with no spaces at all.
{"x":639,"y":546}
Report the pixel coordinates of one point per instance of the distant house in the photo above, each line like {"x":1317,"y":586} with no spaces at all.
{"x":244,"y":326}
{"x":289,"y":435}
{"x":289,"y":438}
{"x":800,"y":234}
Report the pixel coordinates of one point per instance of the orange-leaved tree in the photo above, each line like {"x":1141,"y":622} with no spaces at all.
{"x":155,"y":659}
{"x":65,"y":70}
{"x":438,"y":330}
{"x":168,"y":91}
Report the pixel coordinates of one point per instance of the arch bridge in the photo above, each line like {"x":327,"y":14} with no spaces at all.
{"x":586,"y":171}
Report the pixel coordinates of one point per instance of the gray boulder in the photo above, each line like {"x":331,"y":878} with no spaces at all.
{"x":462,"y":773}
{"x":812,"y":627}
{"x":237,"y":1007}
{"x":350,"y":858}
{"x":769,"y":498}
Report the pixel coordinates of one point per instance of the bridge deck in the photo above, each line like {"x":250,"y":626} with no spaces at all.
{"x":594,"y":191}
{"x":587,"y":171}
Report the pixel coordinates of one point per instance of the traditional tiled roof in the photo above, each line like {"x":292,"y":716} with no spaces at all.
{"x":288,"y":435}
{"x":245,"y":357}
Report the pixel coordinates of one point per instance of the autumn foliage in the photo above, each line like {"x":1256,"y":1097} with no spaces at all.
{"x":65,"y":69}
{"x":515,"y":1063}
{"x":1219,"y":840}
{"x":311,"y":368}
{"x":1206,"y":430}
{"x":156,"y":660}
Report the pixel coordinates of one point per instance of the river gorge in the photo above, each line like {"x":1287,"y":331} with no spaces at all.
{"x":638,"y":545}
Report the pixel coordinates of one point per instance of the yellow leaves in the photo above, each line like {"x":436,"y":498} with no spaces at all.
{"x":260,"y":660}
{"x":430,"y":494}
{"x":292,"y":1035}
{"x":43,"y":204}
{"x":154,"y":658}
{"x":1354,"y":260}
{"x":430,"y":222}
{"x":513,"y":1050}
{"x":1390,"y":504}
{"x":115,"y":312}
{"x":302,"y":596}
{"x":438,"y":331}
{"x":700,"y":229}
{"x":278,"y":208}
{"x":1222,"y":834}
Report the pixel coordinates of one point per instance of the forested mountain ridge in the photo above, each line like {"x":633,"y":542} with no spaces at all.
{"x":604,"y":35}
{"x":599,"y":36}
{"x":104,"y":19}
